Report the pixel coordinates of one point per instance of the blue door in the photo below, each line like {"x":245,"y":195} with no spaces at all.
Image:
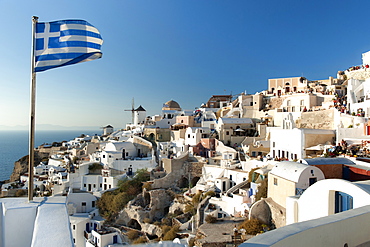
{"x":343,"y":202}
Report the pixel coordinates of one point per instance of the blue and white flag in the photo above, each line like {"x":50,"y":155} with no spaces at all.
{"x":65,"y":42}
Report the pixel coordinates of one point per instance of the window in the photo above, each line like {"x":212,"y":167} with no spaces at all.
{"x":231,"y":177}
{"x":83,"y":204}
{"x":302,"y":102}
{"x":93,"y":204}
{"x":343,"y":202}
{"x":94,"y":185}
{"x":275,"y":181}
{"x":74,"y":227}
{"x":103,"y":156}
{"x":312,"y":181}
{"x":227,"y":133}
{"x":288,"y":103}
{"x":85,"y":185}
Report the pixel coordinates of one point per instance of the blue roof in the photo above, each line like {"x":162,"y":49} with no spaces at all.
{"x":328,"y":161}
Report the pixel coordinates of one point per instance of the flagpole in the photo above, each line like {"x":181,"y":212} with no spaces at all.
{"x":31,"y":157}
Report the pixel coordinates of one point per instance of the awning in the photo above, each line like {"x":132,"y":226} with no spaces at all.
{"x":318,"y":147}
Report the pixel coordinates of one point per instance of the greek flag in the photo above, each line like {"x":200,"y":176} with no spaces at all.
{"x":65,"y":42}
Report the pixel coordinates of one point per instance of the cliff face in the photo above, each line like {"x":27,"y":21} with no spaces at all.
{"x":21,"y":166}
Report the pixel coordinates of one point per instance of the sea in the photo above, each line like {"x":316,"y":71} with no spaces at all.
{"x":14,"y":144}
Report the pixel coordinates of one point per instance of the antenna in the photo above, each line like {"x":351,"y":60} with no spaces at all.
{"x":132,"y":111}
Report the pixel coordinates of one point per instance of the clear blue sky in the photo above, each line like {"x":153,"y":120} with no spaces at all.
{"x":185,"y":50}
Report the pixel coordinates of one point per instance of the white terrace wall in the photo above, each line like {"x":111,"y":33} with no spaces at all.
{"x":349,"y":227}
{"x":17,"y":222}
{"x":122,"y":165}
{"x":343,"y":133}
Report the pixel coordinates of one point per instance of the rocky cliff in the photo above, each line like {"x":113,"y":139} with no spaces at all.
{"x":21,"y":166}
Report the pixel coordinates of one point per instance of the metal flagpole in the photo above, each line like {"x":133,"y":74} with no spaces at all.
{"x":31,"y":157}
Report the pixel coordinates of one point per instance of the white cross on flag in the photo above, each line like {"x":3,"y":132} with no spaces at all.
{"x":65,"y":42}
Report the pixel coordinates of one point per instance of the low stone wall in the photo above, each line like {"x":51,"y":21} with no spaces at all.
{"x":323,"y":119}
{"x":178,"y":170}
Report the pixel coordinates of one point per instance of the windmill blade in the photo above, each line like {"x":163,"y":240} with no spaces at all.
{"x":133,"y":110}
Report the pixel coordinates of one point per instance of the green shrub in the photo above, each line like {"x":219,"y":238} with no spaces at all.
{"x":140,"y":240}
{"x":112,"y":202}
{"x":252,"y":226}
{"x":95,"y":166}
{"x":171,"y":234}
{"x":189,"y":208}
{"x":166,"y":229}
{"x":211,"y":219}
{"x":132,"y":234}
{"x":210,"y":193}
{"x":120,"y":200}
{"x":262,"y":190}
{"x":147,"y":220}
{"x":20,"y":193}
{"x":196,"y":198}
{"x":147,"y":186}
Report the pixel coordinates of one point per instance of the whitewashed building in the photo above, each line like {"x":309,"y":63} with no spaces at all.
{"x":327,"y":197}
{"x":102,"y":238}
{"x":193,"y":135}
{"x":294,"y":147}
{"x":288,"y":178}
